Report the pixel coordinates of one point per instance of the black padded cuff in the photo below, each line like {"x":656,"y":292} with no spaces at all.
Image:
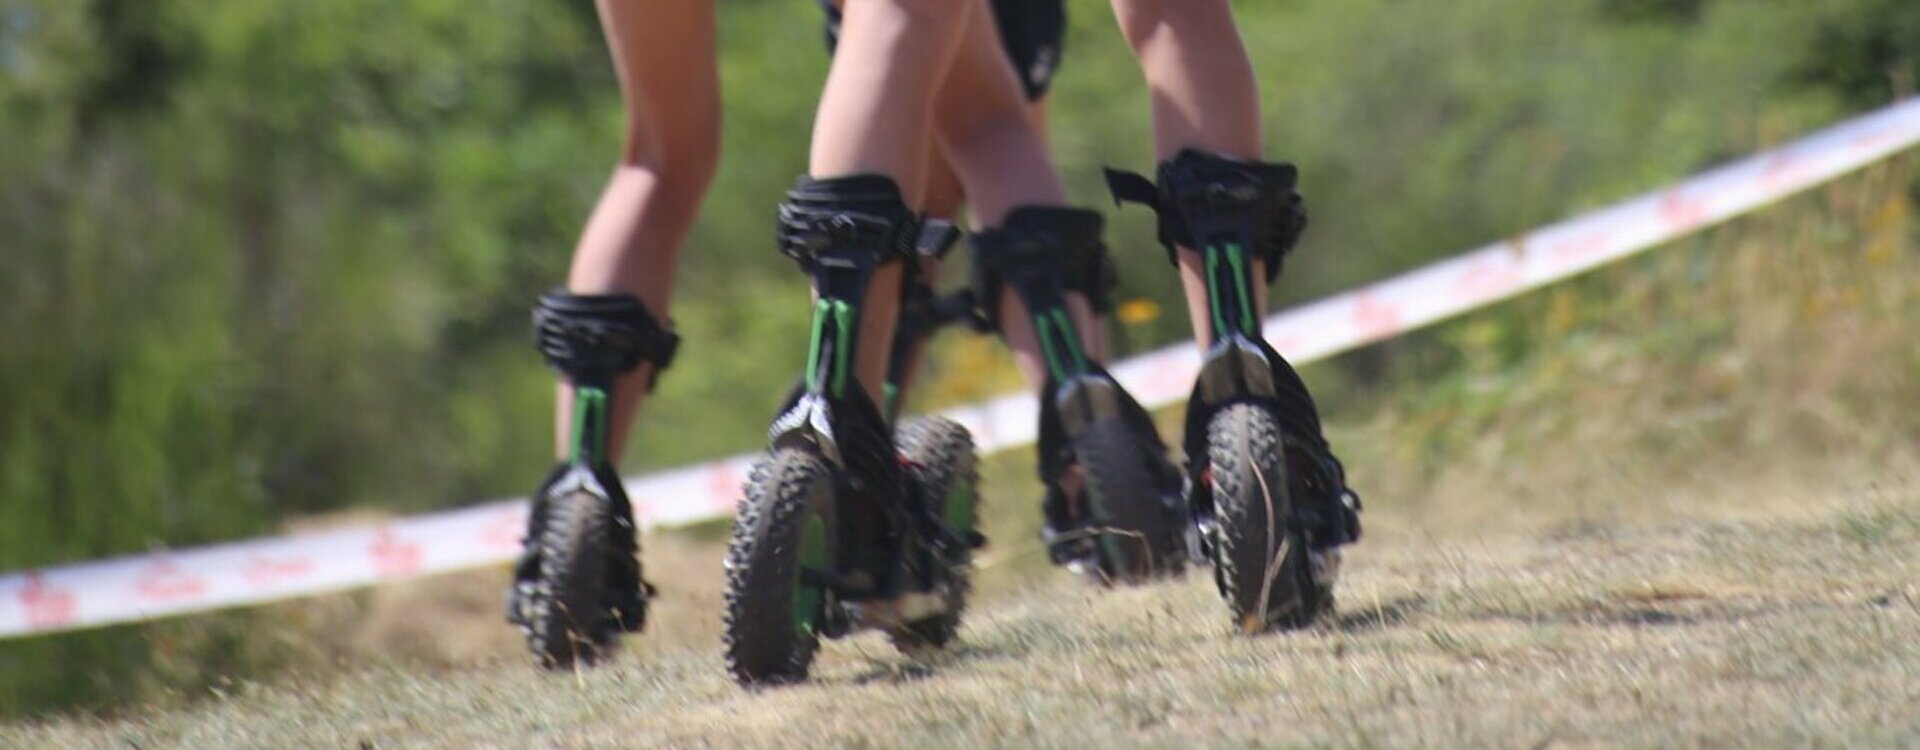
{"x":937,"y":238}
{"x":1041,"y":251}
{"x":595,"y":338}
{"x":1203,"y":198}
{"x":858,"y":218}
{"x":1092,"y":273}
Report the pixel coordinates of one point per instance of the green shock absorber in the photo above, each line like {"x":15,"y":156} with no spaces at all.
{"x":1060,"y":343}
{"x":589,"y":425}
{"x":1239,"y":309}
{"x":839,"y":315}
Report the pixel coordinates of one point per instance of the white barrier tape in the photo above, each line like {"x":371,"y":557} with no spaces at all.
{"x":161,"y":584}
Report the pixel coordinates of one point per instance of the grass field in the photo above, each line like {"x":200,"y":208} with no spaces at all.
{"x":1676,"y":504}
{"x":1766,"y":615}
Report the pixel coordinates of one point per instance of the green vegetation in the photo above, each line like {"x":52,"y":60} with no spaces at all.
{"x":1535,"y":642}
{"x":1688,"y":573}
{"x":269,"y":258}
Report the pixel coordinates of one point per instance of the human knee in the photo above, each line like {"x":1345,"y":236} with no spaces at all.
{"x":971,"y":135}
{"x":1144,"y":21}
{"x":682,"y":156}
{"x":676,"y":186}
{"x":974,"y":113}
{"x":920,"y":11}
{"x":1139,"y":20}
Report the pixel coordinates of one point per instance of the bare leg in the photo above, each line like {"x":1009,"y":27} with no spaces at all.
{"x":1202,"y":85}
{"x":1198,"y":74}
{"x":876,"y":116}
{"x":996,"y":144}
{"x":664,"y":55}
{"x":988,"y":134}
{"x":944,"y":196}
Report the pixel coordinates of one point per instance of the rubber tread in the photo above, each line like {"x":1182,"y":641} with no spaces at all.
{"x":1246,"y":460}
{"x":1126,"y":496}
{"x":763,"y":644}
{"x":568,"y":624}
{"x":940,"y":452}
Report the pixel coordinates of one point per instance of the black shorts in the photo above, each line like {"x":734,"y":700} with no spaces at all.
{"x":1034,"y":32}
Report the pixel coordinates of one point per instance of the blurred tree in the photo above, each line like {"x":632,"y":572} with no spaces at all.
{"x":1870,"y":53}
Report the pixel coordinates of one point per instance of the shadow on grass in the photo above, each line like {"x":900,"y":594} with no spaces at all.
{"x":911,"y":668}
{"x":894,"y":673}
{"x":1390,"y":613}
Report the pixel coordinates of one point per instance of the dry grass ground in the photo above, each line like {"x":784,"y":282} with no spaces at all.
{"x":1685,"y":513}
{"x":1764,"y":616}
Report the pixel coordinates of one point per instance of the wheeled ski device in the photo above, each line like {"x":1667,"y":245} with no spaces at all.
{"x":577,"y":584}
{"x":847,"y":524}
{"x":1268,"y":499}
{"x":1112,"y":508}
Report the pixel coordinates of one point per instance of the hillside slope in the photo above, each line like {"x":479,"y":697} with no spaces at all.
{"x":1769,"y":617}
{"x":1673,"y":503}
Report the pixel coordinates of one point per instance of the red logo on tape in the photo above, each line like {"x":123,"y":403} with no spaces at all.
{"x":1374,"y":318}
{"x":1783,"y":169}
{"x":46,"y":607}
{"x":394,"y":556}
{"x":1581,"y":247}
{"x":1876,"y":138}
{"x":164,"y":581}
{"x":505,"y":529}
{"x":263,"y":571}
{"x":1680,"y":211}
{"x":723,"y":484}
{"x":1487,"y":278}
{"x":1288,"y":345}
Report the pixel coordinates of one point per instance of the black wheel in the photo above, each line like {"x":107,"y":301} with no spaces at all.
{"x":943,"y":470}
{"x":1261,"y":564}
{"x":777,"y":565}
{"x":568,"y":618}
{"x":1137,"y":536}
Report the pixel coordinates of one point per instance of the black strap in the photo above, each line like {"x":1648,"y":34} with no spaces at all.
{"x":1132,"y":187}
{"x":1200,"y":196}
{"x":594,"y":338}
{"x":1042,"y":252}
{"x":937,"y":238}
